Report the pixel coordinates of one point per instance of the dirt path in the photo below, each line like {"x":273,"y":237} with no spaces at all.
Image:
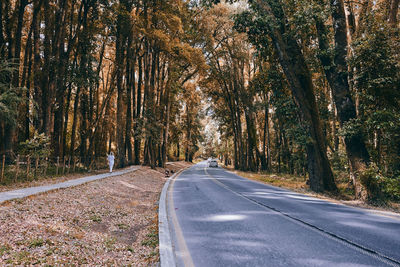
{"x":107,"y":222}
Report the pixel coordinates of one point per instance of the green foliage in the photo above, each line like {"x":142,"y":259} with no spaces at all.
{"x":95,"y":218}
{"x":257,"y":29}
{"x":9,"y":95}
{"x":392,"y":188}
{"x":151,"y":239}
{"x":373,"y":184}
{"x":351,"y":128}
{"x":377,"y":80}
{"x":37,"y":242}
{"x":376,"y":59}
{"x":38,"y":146}
{"x":380,"y":188}
{"x":4,"y":249}
{"x":339,"y":161}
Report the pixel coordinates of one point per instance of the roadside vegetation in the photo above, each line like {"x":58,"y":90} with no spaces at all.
{"x":307,"y":89}
{"x":91,"y":77}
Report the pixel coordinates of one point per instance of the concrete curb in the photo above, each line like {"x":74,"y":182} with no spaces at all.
{"x":167,"y":256}
{"x":25,"y":192}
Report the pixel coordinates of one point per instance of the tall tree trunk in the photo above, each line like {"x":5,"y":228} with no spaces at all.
{"x":17,"y":40}
{"x":264,"y":164}
{"x":188,"y":135}
{"x":9,"y":23}
{"x":151,"y":108}
{"x":145,"y":108}
{"x":336,"y":71}
{"x":60,"y":81}
{"x":167,"y":104}
{"x":83,"y":129}
{"x":130,"y":84}
{"x":394,"y":9}
{"x":267,"y":124}
{"x":74,"y":123}
{"x":2,"y":40}
{"x":26,"y":76}
{"x":137,"y":125}
{"x":37,"y":121}
{"x":47,"y":71}
{"x":299,"y":78}
{"x":119,"y":59}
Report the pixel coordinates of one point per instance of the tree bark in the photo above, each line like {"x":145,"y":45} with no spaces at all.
{"x":119,"y":61}
{"x":299,"y":79}
{"x":336,"y":71}
{"x":394,"y":9}
{"x":130,"y":85}
{"x":2,"y":40}
{"x":17,"y":40}
{"x":60,"y":81}
{"x":74,"y":123}
{"x":137,"y":125}
{"x":46,"y":72}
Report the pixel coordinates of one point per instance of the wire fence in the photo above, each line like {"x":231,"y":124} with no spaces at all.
{"x":27,"y":168}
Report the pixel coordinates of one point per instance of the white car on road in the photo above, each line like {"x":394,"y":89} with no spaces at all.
{"x":213,"y":163}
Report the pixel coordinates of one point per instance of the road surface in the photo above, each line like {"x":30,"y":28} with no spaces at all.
{"x":220,"y":219}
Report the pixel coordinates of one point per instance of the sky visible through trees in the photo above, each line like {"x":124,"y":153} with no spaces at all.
{"x":308,"y":88}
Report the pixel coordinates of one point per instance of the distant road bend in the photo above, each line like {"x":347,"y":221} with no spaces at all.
{"x":220,"y":219}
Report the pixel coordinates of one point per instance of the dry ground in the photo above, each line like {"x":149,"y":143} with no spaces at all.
{"x":103,"y":223}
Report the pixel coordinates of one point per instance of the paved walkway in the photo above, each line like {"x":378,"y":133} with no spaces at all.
{"x":25,"y":192}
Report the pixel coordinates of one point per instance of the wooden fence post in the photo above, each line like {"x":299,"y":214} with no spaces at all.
{"x":58,"y":163}
{"x":16,"y":169}
{"x":2,"y":167}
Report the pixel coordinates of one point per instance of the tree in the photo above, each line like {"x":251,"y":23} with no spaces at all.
{"x":269,"y":19}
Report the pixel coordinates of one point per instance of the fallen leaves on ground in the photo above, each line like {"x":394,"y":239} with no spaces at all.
{"x":107,"y":222}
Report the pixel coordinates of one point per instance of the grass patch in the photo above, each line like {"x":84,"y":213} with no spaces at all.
{"x":283,"y":180}
{"x":37,"y":242}
{"x":4,"y":249}
{"x":109,"y":242}
{"x":21,"y":257}
{"x":152,"y":237}
{"x":151,"y":240}
{"x":122,"y":226}
{"x":95,"y":218}
{"x":298,"y":183}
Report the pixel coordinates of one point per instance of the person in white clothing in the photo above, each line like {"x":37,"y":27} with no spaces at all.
{"x":111,"y":160}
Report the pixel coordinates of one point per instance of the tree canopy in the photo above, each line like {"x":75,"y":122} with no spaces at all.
{"x":309,"y":88}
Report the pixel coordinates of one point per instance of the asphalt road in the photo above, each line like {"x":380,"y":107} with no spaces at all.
{"x":220,"y":219}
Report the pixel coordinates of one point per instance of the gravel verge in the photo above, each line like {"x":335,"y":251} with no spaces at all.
{"x":106,"y":222}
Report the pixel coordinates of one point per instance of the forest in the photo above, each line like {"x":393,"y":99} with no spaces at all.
{"x":303,"y":87}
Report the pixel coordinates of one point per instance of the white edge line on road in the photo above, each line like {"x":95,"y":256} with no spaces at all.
{"x":180,"y":246}
{"x":167,"y":257}
{"x":167,"y":254}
